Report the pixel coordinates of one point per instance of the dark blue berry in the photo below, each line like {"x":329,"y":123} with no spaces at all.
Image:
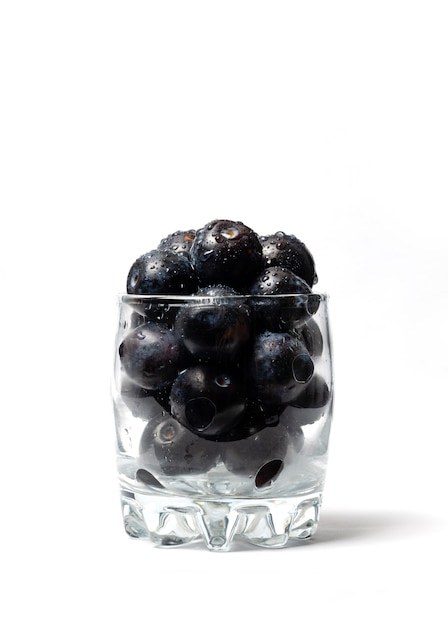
{"x":226,"y":252}
{"x":151,"y":356}
{"x":260,"y":456}
{"x":289,"y":252}
{"x":311,"y":336}
{"x":179,"y":242}
{"x":278,"y":280}
{"x":207,"y":399}
{"x":168,"y":446}
{"x":310,"y":405}
{"x":279,"y":368}
{"x":161,"y":272}
{"x":216,"y":330}
{"x":296,"y":304}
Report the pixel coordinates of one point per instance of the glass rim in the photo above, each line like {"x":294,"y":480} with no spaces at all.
{"x":128,"y":298}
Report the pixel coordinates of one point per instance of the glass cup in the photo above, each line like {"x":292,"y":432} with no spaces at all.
{"x":223,"y":409}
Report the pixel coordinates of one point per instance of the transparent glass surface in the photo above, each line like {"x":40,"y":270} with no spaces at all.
{"x":223,"y":409}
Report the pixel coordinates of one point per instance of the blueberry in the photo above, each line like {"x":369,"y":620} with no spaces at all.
{"x":310,"y":405}
{"x":161,"y":272}
{"x":311,"y":336}
{"x":208,"y":400}
{"x":151,"y":356}
{"x":315,"y":395}
{"x":285,"y":312}
{"x":289,"y":252}
{"x":260,"y":456}
{"x":217,"y":330}
{"x":273,"y":281}
{"x":279,"y":367}
{"x":168,"y":446}
{"x":179,"y":242}
{"x":227,"y":252}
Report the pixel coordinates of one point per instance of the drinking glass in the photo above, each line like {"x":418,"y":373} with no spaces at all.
{"x":223,"y":410}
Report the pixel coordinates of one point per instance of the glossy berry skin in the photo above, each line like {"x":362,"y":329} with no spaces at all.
{"x":179,"y":242}
{"x":151,"y":356}
{"x":226,"y":252}
{"x":218,"y":330}
{"x":311,"y":336}
{"x":278,"y":280}
{"x":281,"y":313}
{"x":282,"y":250}
{"x":161,"y":272}
{"x":260,"y":456}
{"x":315,"y":395}
{"x":310,"y":405}
{"x":168,"y":446}
{"x":208,"y":400}
{"x":279,"y":368}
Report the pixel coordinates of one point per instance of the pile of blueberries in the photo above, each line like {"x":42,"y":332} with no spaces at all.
{"x":232,"y":366}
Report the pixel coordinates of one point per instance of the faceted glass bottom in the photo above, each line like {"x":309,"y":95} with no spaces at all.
{"x":168,"y":521}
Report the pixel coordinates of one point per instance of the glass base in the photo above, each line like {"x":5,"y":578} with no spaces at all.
{"x":169,"y":521}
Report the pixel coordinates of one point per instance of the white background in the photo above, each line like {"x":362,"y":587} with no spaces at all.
{"x":124,"y":121}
